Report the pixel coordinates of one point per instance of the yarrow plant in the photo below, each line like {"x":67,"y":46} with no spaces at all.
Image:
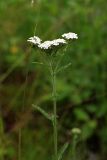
{"x":49,"y":50}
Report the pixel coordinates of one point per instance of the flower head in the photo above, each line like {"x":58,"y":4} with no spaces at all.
{"x":45,"y":45}
{"x":57,"y":42}
{"x":76,"y":131}
{"x":70,"y":35}
{"x":49,"y":45}
{"x":35,"y":40}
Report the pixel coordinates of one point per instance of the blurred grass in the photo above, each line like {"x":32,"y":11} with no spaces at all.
{"x":82,"y":88}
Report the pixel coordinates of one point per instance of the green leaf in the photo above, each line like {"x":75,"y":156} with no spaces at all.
{"x":102,"y":111}
{"x":88,"y":129}
{"x":43,"y":112}
{"x":81,"y":114}
{"x":38,"y":63}
{"x":62,"y":151}
{"x":62,"y":68}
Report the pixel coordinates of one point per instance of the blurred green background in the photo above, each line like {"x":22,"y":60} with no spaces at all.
{"x":82,"y":88}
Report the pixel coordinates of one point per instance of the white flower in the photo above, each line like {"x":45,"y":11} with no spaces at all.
{"x":34,"y":40}
{"x":45,"y":45}
{"x":59,"y":41}
{"x":51,"y":44}
{"x":76,"y":131}
{"x":70,"y":35}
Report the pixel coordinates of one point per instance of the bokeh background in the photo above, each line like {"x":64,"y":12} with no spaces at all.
{"x":82,"y":89}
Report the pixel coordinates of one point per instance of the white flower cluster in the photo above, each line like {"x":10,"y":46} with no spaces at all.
{"x":53,"y":43}
{"x":34,"y":40}
{"x":70,"y":35}
{"x":45,"y":45}
{"x":59,"y":41}
{"x":76,"y":131}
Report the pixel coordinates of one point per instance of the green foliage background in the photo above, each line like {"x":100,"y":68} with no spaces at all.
{"x":82,"y":89}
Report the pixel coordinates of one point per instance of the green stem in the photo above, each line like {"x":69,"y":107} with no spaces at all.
{"x":72,"y":152}
{"x":55,"y":116}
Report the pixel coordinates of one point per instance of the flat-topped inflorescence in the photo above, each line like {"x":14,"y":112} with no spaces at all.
{"x":34,"y":40}
{"x":57,"y":42}
{"x":70,"y":35}
{"x":45,"y":45}
{"x":51,"y":44}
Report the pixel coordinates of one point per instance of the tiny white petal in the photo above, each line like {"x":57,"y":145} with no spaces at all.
{"x":70,"y":35}
{"x":32,"y":41}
